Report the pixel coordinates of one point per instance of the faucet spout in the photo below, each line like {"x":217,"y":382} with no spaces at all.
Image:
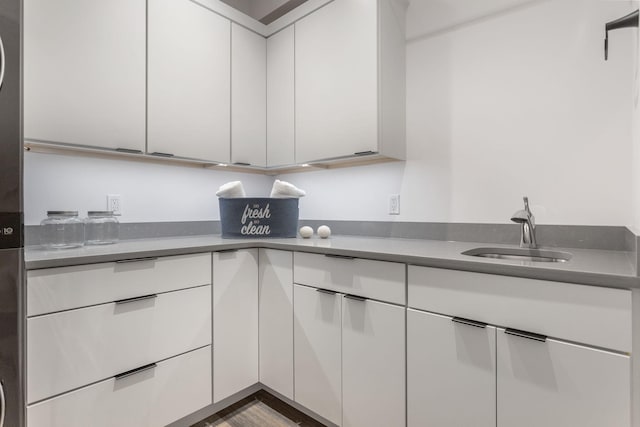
{"x":525,"y":218}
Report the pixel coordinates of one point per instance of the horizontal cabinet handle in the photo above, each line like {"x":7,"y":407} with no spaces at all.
{"x":128,"y":150}
{"x":159,"y":154}
{"x":524,"y":334}
{"x":364,"y":153}
{"x":355,"y":297}
{"x":242,"y":164}
{"x":135,"y":299}
{"x":126,"y":261}
{"x":326,"y":291}
{"x":227,"y":251}
{"x":135,"y":371}
{"x":339,"y":256}
{"x":468,"y":322}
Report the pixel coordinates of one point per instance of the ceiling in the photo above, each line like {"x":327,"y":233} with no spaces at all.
{"x":265,"y":11}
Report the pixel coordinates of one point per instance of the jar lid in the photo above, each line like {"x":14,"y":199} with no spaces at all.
{"x":62,"y":213}
{"x":100,"y":213}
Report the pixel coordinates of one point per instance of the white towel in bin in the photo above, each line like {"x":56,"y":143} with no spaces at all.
{"x":230,"y":190}
{"x":283,"y":190}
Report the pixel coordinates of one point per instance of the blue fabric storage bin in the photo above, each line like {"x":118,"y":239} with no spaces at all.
{"x":251,"y":217}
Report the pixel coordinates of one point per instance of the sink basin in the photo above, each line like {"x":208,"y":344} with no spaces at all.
{"x":520,"y":254}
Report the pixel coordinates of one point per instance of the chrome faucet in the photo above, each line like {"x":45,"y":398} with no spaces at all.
{"x":527,"y":221}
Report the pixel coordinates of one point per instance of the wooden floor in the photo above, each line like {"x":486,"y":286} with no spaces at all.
{"x":259,"y":410}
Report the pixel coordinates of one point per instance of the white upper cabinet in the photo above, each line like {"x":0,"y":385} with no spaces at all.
{"x":84,"y":72}
{"x":189,"y":81}
{"x":349,"y":59}
{"x":281,"y":98}
{"x":248,"y":97}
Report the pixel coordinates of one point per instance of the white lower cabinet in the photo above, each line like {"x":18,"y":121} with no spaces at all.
{"x":150,"y":398}
{"x":235,"y":321}
{"x":276,"y":320}
{"x":373,"y":363}
{"x":558,"y":384}
{"x":74,"y":348}
{"x":451,"y":371}
{"x":318,"y":353}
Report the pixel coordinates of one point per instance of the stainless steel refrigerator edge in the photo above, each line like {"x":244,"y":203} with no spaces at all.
{"x":12,"y":290}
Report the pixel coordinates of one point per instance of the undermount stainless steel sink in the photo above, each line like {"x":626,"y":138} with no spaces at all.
{"x":520,"y":254}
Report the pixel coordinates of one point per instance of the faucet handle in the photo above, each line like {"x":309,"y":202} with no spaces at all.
{"x":528,"y":211}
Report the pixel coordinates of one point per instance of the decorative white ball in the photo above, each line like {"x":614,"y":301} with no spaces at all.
{"x":324,"y":231}
{"x":306,"y":231}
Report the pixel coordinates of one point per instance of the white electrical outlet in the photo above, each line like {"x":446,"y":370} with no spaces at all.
{"x":114,"y":204}
{"x":394,"y":204}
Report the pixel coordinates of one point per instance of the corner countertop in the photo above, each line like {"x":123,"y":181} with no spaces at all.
{"x":589,"y":267}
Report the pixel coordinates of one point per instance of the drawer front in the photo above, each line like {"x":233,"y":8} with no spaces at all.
{"x":175,"y":388}
{"x":75,"y":348}
{"x":380,"y":280}
{"x":57,"y":289}
{"x":585,"y":314}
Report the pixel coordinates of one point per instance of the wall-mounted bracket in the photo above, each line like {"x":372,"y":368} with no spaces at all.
{"x":630,"y":20}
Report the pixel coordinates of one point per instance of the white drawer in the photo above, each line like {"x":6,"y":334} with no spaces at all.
{"x":56,"y":289}
{"x":156,"y":397}
{"x":585,"y":314}
{"x":74,"y":348}
{"x":380,"y":280}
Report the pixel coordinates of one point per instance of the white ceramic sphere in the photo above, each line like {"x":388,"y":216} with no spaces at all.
{"x":324,"y":231}
{"x":306,"y":231}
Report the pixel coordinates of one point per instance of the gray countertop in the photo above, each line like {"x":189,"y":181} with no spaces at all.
{"x":589,"y":267}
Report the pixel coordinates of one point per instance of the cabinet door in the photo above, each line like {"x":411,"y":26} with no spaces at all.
{"x":189,"y":81}
{"x":248,"y":97}
{"x":557,"y":384}
{"x":451,"y":372}
{"x":276,"y":320}
{"x":337,"y":81}
{"x":84,"y":72}
{"x":281,"y":98}
{"x":373,"y":363}
{"x":235,"y":322}
{"x":318,"y":354}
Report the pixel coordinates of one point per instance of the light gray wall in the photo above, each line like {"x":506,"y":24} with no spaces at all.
{"x":501,"y":105}
{"x":150,"y":192}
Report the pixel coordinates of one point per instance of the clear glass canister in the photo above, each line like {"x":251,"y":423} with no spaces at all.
{"x":62,"y":230}
{"x":101,"y":228}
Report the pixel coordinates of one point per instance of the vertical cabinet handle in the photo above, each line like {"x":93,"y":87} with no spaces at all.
{"x":527,"y":335}
{"x":2,"y":68}
{"x":3,"y":404}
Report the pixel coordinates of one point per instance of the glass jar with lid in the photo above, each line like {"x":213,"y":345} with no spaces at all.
{"x":62,"y":230}
{"x":101,"y":228}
